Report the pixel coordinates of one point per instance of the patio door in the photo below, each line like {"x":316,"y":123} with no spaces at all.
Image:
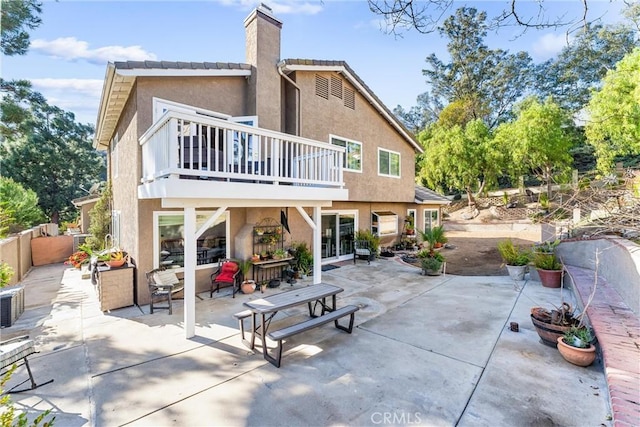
{"x":338,"y":229}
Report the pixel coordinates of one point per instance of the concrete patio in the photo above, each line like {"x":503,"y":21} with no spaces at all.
{"x":426,"y":351}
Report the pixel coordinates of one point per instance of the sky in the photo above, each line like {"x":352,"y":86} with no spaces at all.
{"x":70,"y":50}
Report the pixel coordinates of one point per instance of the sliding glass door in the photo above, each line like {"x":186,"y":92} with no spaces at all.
{"x":338,"y":229}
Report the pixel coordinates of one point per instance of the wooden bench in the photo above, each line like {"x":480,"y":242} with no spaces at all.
{"x":314,"y":322}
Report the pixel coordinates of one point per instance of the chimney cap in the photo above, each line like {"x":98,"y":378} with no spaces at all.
{"x":266,"y":12}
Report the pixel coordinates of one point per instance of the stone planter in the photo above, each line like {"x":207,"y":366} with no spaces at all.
{"x":517,"y":272}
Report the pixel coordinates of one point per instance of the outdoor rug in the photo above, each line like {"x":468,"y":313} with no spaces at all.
{"x":329,"y":267}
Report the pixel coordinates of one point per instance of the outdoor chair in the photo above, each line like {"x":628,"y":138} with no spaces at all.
{"x":361,"y":250}
{"x":163,"y":285}
{"x":17,"y":350}
{"x":227,"y":274}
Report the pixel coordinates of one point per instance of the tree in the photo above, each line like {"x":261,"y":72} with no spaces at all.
{"x":18,"y":16}
{"x":420,"y":115}
{"x":20,"y":204}
{"x":426,"y":16}
{"x":613,"y":126}
{"x":538,"y":140}
{"x":489,"y":81}
{"x":581,"y":65}
{"x":100,"y":222}
{"x":45,"y":150}
{"x":460,"y":157}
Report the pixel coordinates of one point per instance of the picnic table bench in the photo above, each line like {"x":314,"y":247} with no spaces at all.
{"x":268,"y":307}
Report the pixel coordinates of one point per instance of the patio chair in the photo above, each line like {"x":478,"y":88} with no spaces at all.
{"x":361,"y":250}
{"x":227,"y":274}
{"x":17,"y":350}
{"x":163,"y":284}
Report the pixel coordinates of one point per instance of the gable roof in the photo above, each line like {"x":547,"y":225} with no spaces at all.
{"x":343,"y":68}
{"x":426,"y":196}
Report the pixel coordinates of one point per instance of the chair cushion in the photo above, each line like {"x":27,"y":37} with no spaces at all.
{"x":227,"y":272}
{"x":165,"y":277}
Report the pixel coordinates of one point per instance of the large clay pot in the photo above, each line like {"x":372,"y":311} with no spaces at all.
{"x":576,"y":355}
{"x":550,"y":278}
{"x":248,"y":287}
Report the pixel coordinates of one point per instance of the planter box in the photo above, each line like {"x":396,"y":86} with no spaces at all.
{"x":11,"y":304}
{"x":115,"y":287}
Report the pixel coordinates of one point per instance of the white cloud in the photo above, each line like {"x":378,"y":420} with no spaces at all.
{"x":79,"y":96}
{"x":548,"y":45}
{"x":282,"y":7}
{"x":72,"y":49}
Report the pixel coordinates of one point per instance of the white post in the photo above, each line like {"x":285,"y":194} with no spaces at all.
{"x":189,"y":272}
{"x":317,"y":246}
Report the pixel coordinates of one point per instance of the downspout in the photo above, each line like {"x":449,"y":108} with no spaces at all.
{"x":281,"y":64}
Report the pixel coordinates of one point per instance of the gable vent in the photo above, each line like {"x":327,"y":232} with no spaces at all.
{"x":349,"y":98}
{"x":322,"y":86}
{"x":336,"y":87}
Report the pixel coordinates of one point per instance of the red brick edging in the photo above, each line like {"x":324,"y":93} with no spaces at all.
{"x":617,"y":329}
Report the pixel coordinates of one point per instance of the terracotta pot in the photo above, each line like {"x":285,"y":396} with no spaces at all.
{"x":577,"y":356}
{"x":248,"y":287}
{"x":116,"y":263}
{"x":550,"y":278}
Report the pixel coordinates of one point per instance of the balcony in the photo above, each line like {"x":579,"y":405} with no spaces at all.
{"x":194,"y":156}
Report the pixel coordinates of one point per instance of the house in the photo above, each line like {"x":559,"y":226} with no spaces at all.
{"x":199,"y":153}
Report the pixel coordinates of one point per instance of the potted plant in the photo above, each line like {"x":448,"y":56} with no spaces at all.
{"x":439,"y":237}
{"x":552,"y":324}
{"x":576,"y":347}
{"x":431,"y":262}
{"x":279,"y":254}
{"x":303,"y":258}
{"x":247,"y":286}
{"x":409,"y":226}
{"x":549,"y":269}
{"x":515,"y":258}
{"x":372,"y":240}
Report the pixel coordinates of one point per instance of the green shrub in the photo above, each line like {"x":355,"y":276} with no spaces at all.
{"x":512,"y":254}
{"x":372,"y":239}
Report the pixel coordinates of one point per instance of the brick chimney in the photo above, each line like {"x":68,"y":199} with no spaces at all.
{"x":262,"y":31}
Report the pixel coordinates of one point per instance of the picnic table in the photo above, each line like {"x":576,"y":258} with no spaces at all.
{"x":268,"y":307}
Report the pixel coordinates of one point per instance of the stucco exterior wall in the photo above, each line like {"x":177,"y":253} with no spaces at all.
{"x":322,"y":117}
{"x":618,"y":263}
{"x":221,"y":94}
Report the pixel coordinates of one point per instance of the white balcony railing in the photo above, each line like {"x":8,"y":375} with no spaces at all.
{"x":182,"y":145}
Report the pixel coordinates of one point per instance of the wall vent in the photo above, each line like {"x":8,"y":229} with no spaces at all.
{"x":336,"y":87}
{"x":349,"y":98}
{"x":322,"y":86}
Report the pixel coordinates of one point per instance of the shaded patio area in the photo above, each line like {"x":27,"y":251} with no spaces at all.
{"x":426,"y":351}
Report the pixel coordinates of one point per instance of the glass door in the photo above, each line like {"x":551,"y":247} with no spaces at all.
{"x":337,"y":235}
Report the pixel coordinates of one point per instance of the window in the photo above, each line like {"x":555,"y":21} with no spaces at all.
{"x":384,"y":223}
{"x":114,"y":156}
{"x":243,"y":147}
{"x":388,"y":163}
{"x":430,"y":219}
{"x":353,"y":154}
{"x":169,"y":238}
{"x":115,"y":227}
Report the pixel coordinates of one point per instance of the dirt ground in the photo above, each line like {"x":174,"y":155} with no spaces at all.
{"x":476,"y":256}
{"x":475,"y":253}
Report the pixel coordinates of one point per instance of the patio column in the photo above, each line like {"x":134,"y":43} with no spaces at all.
{"x":190,"y":272}
{"x":317,"y":245}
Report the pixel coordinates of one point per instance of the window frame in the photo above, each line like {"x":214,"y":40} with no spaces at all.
{"x":390,"y":152}
{"x":347,"y":141}
{"x":156,"y":236}
{"x":430,"y":217}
